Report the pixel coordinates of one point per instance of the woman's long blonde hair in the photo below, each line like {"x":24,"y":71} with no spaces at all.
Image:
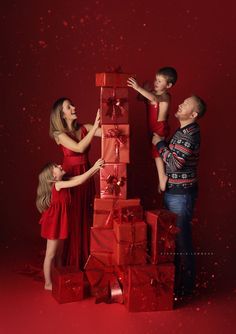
{"x":44,"y":189}
{"x":57,"y":122}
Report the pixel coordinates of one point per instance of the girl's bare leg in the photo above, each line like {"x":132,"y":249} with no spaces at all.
{"x":51,"y":251}
{"x":58,"y":259}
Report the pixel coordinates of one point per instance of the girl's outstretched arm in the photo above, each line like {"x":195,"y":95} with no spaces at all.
{"x":79,"y":179}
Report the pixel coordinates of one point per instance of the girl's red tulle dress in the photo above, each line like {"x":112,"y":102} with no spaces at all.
{"x":55,"y":220}
{"x":82,"y":197}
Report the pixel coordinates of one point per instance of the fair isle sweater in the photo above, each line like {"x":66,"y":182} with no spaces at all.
{"x":181,"y":158}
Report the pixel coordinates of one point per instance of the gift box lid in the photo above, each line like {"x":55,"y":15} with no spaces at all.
{"x":112,"y":79}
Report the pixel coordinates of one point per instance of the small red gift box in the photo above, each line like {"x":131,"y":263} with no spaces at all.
{"x":115,"y":143}
{"x":106,"y":210}
{"x":149,"y":288}
{"x":113,"y":181}
{"x":112,"y":79}
{"x":131,"y":245}
{"x":68,"y":284}
{"x":114,"y":105}
{"x":162,"y":232}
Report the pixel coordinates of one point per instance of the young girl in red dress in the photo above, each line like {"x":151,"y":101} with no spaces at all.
{"x":74,"y":140}
{"x":54,"y":202}
{"x":158,"y":108}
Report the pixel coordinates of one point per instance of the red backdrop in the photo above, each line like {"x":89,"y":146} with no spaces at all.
{"x":54,"y":48}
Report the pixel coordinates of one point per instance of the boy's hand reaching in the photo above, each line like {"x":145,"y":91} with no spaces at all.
{"x":131,"y":82}
{"x":156,"y":139}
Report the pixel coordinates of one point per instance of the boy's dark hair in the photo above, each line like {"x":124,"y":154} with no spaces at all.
{"x":201,"y":105}
{"x":170,"y":74}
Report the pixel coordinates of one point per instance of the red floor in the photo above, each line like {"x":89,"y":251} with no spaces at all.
{"x":27,"y":308}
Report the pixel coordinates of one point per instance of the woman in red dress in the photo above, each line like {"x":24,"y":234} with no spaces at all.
{"x":54,"y":201}
{"x":74,"y":140}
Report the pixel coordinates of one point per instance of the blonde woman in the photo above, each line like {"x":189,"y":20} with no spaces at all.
{"x":74,"y":140}
{"x":53,"y":201}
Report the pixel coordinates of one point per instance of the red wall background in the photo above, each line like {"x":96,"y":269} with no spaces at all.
{"x":54,"y":48}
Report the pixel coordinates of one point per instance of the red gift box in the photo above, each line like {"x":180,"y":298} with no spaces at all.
{"x":106,"y":210}
{"x":104,"y":281}
{"x":114,"y":105}
{"x":115,"y":143}
{"x":162,"y":232}
{"x":113,"y":181}
{"x":149,"y":288}
{"x":68,"y":284}
{"x":130,"y":232}
{"x":101,"y":240}
{"x":131,"y":245}
{"x":112,"y":79}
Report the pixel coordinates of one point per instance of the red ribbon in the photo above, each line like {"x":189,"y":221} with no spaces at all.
{"x":114,"y":183}
{"x":115,"y":107}
{"x":131,"y":214}
{"x":133,"y":246}
{"x":120,"y":139}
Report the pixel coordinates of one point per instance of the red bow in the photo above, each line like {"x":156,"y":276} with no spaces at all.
{"x":115,"y":107}
{"x":114,"y":184}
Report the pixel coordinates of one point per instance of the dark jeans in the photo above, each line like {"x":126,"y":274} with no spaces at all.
{"x":183,"y":205}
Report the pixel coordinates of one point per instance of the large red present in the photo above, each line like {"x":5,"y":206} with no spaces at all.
{"x":112,"y":79}
{"x":113,"y":181}
{"x":102,"y":241}
{"x":162,"y":232}
{"x":131,"y":245}
{"x":115,"y":143}
{"x":68,"y":284}
{"x":149,"y":288}
{"x":114,"y":105}
{"x":106,"y":210}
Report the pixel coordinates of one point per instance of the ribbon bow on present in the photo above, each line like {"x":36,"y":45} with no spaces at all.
{"x":114,"y":184}
{"x":117,"y":133}
{"x":116,"y":107}
{"x":120,"y":139}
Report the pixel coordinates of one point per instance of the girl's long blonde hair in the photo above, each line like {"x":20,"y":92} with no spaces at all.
{"x":57,"y":122}
{"x":44,"y":189}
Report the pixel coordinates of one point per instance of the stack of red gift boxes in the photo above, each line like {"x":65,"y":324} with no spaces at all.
{"x":131,"y":260}
{"x":131,"y":254}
